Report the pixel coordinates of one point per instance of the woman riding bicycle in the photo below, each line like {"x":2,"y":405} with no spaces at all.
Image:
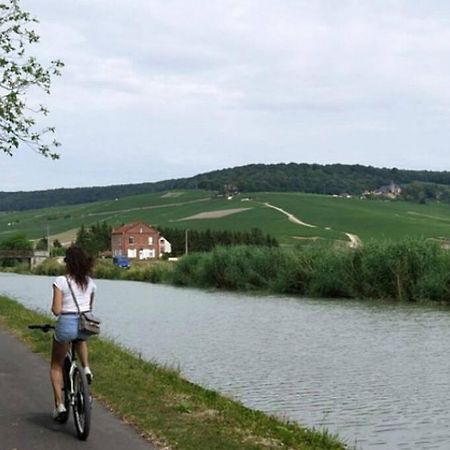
{"x":76,"y":283}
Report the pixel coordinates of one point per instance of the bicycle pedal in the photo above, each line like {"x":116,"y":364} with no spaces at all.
{"x":62,"y":417}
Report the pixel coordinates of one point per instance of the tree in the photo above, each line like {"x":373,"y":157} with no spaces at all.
{"x":16,"y":242}
{"x":96,"y":239}
{"x":18,"y":73}
{"x":83,"y":238}
{"x":57,"y":249}
{"x":57,"y":244}
{"x":42,"y":244}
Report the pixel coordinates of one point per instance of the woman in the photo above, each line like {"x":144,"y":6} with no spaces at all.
{"x":78,"y":268}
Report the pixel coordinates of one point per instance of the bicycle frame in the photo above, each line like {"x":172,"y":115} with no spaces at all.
{"x":71,"y":356}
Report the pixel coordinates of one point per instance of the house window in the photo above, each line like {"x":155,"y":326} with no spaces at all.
{"x":131,"y":240}
{"x":150,"y":240}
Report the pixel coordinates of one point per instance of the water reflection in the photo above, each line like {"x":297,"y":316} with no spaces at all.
{"x":374,"y":373}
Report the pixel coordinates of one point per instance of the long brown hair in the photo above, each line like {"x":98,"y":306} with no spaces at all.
{"x":78,"y":265}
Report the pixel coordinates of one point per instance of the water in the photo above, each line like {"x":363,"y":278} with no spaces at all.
{"x":376,"y":374}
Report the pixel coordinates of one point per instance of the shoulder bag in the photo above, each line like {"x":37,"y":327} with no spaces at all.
{"x":88,"y":323}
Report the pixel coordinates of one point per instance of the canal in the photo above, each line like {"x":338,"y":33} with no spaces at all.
{"x":375,"y":373}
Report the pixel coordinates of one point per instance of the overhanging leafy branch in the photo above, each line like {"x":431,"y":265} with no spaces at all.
{"x":18,"y":73}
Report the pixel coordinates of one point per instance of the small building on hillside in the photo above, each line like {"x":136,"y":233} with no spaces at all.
{"x":138,"y":241}
{"x":390,"y":191}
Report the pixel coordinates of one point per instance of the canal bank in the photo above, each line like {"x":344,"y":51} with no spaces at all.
{"x":164,"y":407}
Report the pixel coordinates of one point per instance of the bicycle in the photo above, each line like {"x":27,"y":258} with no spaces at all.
{"x":75,"y":390}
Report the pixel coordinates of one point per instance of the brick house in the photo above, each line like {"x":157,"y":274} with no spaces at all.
{"x":138,"y":241}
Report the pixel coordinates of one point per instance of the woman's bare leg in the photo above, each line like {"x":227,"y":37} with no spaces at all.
{"x":59,"y":351}
{"x":82,"y":351}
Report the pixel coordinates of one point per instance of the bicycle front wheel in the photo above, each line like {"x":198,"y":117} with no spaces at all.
{"x":81,"y":404}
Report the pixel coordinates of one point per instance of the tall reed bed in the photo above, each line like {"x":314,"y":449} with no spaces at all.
{"x":409,"y":270}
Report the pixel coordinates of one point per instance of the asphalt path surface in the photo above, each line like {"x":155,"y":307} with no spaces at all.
{"x":26,"y":405}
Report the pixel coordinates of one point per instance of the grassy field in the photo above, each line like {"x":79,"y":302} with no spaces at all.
{"x":168,"y":409}
{"x":332,"y":217}
{"x":366,"y":218}
{"x":34,"y":223}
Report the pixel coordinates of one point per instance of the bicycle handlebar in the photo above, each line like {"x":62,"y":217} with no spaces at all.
{"x":45,"y":328}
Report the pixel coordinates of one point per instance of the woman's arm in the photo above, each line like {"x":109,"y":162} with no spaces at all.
{"x":57,"y":301}
{"x":91,"y":303}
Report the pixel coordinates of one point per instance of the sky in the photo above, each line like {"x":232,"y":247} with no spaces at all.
{"x":160,"y":89}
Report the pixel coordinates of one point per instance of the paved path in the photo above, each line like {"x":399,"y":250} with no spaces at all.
{"x":26,"y":404}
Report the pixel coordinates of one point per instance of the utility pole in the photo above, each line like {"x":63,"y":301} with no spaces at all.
{"x":186,"y":243}
{"x":48,"y":239}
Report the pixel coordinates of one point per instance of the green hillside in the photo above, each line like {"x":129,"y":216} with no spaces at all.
{"x":366,"y":218}
{"x":417,"y":185}
{"x":328,"y":217}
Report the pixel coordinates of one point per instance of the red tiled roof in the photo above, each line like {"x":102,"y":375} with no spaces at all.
{"x":128,"y":226}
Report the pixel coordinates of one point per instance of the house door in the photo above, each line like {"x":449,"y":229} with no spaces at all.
{"x":148,"y":253}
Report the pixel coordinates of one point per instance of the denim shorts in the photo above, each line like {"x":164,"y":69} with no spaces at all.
{"x":66,"y":328}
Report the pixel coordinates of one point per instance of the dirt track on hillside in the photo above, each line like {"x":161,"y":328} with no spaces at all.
{"x":355,"y":240}
{"x":290,"y":216}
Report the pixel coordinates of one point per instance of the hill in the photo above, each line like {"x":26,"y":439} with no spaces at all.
{"x":309,"y":178}
{"x":292,"y":218}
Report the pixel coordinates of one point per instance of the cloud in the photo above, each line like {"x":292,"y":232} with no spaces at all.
{"x":262,"y":54}
{"x":203,"y":84}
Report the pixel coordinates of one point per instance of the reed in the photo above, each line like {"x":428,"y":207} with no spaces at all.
{"x":407,"y":270}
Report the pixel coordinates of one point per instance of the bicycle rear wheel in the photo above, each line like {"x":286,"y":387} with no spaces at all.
{"x":66,"y":390}
{"x":81,"y":404}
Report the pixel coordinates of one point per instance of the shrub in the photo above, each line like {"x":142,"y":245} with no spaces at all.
{"x":51,"y":267}
{"x":104,"y":268}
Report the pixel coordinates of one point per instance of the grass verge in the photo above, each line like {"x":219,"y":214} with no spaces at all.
{"x":168,"y":409}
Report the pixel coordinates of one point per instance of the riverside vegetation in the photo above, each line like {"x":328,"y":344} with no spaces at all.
{"x":408,"y":270}
{"x":167,"y":409}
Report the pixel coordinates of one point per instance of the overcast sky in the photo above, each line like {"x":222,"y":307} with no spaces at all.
{"x":157,"y":89}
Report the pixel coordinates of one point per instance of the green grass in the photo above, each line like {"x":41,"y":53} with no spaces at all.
{"x":162,"y":405}
{"x":59,"y":219}
{"x":369,"y":219}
